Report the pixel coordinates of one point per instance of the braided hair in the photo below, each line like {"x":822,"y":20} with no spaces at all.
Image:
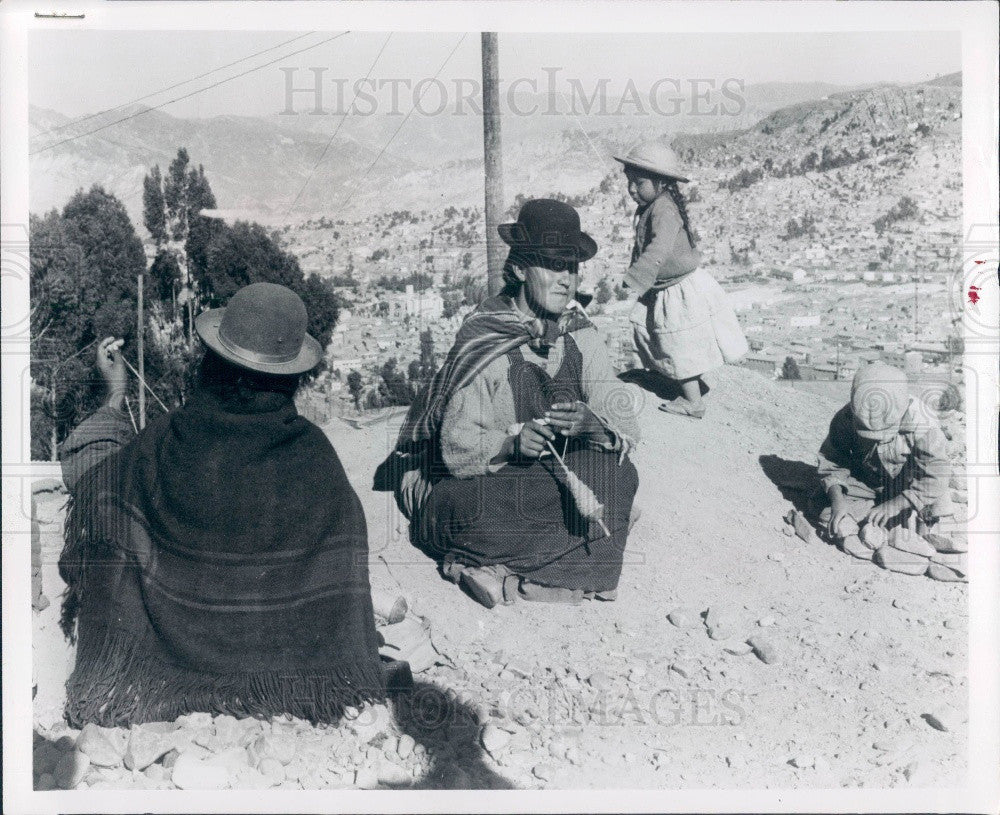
{"x":671,"y":187}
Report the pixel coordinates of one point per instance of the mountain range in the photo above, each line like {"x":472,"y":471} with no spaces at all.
{"x":290,"y":168}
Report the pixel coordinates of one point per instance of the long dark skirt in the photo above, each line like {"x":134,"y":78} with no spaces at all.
{"x":524,"y":518}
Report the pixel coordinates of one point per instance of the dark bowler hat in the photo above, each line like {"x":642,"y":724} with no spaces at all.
{"x":550,"y":229}
{"x":262,"y":329}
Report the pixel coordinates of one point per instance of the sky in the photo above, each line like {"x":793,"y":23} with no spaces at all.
{"x":82,"y":72}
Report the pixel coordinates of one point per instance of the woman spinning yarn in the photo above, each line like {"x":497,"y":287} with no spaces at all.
{"x":525,"y":409}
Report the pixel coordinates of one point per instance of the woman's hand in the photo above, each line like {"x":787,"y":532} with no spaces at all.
{"x":530,"y":442}
{"x":886,"y":511}
{"x":112,"y":368}
{"x":573,"y":419}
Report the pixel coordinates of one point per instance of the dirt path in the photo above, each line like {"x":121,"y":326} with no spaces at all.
{"x":615,"y":695}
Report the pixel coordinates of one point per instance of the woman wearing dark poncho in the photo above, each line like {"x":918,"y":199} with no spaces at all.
{"x":528,"y":382}
{"x":217,"y":561}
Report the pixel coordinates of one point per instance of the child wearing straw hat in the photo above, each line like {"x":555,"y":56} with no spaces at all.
{"x":682,"y":323}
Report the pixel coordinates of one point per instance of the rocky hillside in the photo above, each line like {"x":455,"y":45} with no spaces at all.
{"x":856,"y":677}
{"x":252,"y":163}
{"x":261,"y":163}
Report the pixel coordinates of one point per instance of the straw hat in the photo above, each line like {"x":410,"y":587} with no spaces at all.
{"x":657,"y":158}
{"x":262,"y":329}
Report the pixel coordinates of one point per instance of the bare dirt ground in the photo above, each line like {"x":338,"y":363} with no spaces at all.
{"x":868,"y":665}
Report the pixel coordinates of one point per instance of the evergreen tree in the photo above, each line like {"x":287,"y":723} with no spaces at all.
{"x":84,"y":268}
{"x":790,"y":370}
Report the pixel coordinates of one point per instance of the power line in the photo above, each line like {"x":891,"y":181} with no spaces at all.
{"x":337,"y":130}
{"x":405,"y":119}
{"x":188,"y":95}
{"x":171,"y":87}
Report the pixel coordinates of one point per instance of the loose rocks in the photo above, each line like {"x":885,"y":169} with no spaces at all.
{"x":903,"y":562}
{"x":872,"y":536}
{"x":542,"y":771}
{"x":599,"y":680}
{"x":959,"y":563}
{"x":71,"y":769}
{"x":279,"y":746}
{"x":145,"y":745}
{"x":906,"y":541}
{"x":739,"y":649}
{"x":944,"y":719}
{"x":764,"y":650}
{"x":405,"y":746}
{"x":494,"y":739}
{"x":803,"y":528}
{"x":855,"y":548}
{"x":947,"y":544}
{"x":684,"y":668}
{"x":684,"y":618}
{"x":191,"y":773}
{"x":847,"y":527}
{"x":273,"y":770}
{"x":944,"y":574}
{"x":366,"y":779}
{"x":98,"y":747}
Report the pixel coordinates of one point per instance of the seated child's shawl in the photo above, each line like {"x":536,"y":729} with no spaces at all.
{"x":491,"y":331}
{"x":218,"y":563}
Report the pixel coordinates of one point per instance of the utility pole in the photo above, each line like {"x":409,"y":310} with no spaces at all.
{"x":140,"y":351}
{"x":493,"y":161}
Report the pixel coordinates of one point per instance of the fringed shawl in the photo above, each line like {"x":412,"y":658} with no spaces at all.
{"x":219,"y":563}
{"x":491,"y":331}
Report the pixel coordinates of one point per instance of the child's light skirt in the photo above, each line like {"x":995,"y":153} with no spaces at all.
{"x":688,"y":328}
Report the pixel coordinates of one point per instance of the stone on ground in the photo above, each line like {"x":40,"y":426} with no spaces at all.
{"x":945,"y":574}
{"x":543,"y":772}
{"x":903,"y":562}
{"x":803,"y":528}
{"x":764,"y":649}
{"x":872,"y":536}
{"x":494,"y":739}
{"x":273,"y":769}
{"x":70,"y":769}
{"x":405,"y":747}
{"x":98,"y":746}
{"x":958,"y":563}
{"x":905,"y":540}
{"x":855,"y":548}
{"x":947,"y":544}
{"x":684,"y":618}
{"x":943,"y":718}
{"x":146,"y":744}
{"x":192,"y":773}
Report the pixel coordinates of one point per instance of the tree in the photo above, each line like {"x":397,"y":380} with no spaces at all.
{"x":453,"y":299}
{"x":603,"y":293}
{"x":323,"y":306}
{"x":84,"y":266}
{"x":790,"y":370}
{"x":243,"y":254}
{"x":355,"y":384}
{"x":165,"y":273}
{"x":153,"y":207}
{"x":171,"y":214}
{"x":394,"y":389}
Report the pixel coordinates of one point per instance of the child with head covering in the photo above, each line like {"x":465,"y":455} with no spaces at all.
{"x":884,"y":457}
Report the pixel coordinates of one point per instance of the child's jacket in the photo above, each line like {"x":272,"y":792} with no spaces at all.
{"x":662,"y":255}
{"x":913,"y":463}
